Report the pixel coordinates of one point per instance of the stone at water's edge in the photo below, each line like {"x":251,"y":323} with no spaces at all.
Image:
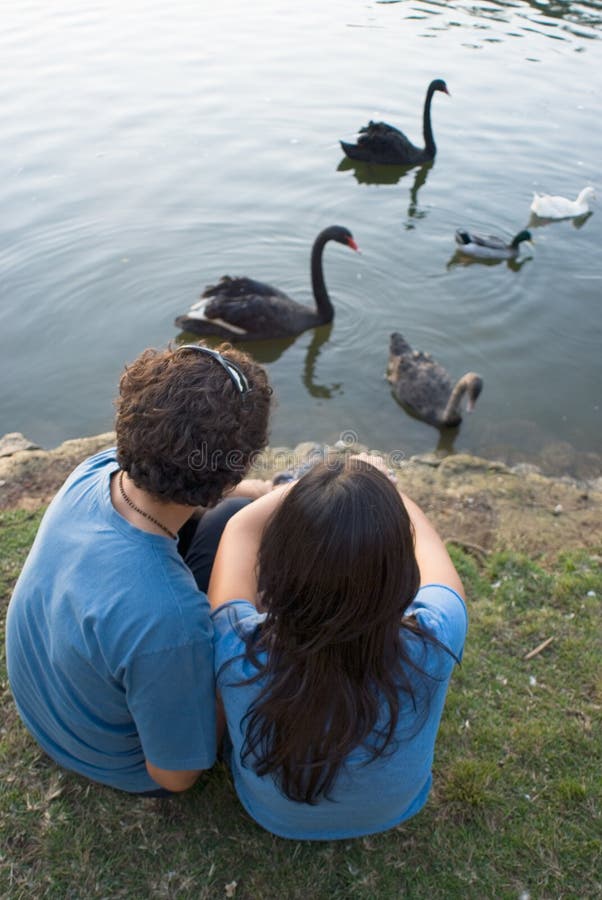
{"x":475,"y":502}
{"x":13,"y":442}
{"x":30,"y":478}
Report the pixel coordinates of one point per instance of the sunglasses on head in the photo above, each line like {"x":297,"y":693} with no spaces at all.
{"x":235,"y":373}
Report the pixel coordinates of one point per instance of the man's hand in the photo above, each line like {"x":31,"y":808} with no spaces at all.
{"x":253,"y":488}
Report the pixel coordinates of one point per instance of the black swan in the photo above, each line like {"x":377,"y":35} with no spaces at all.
{"x":424,"y":386}
{"x":489,"y":246}
{"x":240,"y":309}
{"x":381,"y":143}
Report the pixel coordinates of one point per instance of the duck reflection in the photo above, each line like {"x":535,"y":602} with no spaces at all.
{"x":459,"y":259}
{"x":577,"y":222}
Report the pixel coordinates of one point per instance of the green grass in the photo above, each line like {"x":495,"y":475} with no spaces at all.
{"x":516,"y":808}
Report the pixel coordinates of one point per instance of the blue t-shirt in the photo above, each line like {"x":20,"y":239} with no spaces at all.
{"x":366,"y":798}
{"x":109,"y":642}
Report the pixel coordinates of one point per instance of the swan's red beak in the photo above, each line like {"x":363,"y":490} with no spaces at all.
{"x":351,"y":243}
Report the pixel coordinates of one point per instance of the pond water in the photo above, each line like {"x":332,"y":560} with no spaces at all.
{"x":149,"y":148}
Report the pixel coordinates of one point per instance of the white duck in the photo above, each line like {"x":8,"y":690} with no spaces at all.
{"x":547,"y":206}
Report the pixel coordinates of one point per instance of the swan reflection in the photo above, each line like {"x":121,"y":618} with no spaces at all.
{"x":413,"y":210}
{"x":446,"y":434}
{"x":320,"y":337}
{"x":264,"y":352}
{"x":447,"y":439}
{"x":369,"y":173}
{"x":270,"y":350}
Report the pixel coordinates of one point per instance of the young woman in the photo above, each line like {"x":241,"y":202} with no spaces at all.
{"x":338,"y":618}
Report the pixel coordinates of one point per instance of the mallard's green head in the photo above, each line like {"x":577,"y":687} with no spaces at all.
{"x":520,"y":237}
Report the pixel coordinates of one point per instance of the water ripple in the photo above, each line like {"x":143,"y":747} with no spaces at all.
{"x":142,"y":162}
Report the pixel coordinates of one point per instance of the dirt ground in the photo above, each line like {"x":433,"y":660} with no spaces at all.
{"x":480,"y":504}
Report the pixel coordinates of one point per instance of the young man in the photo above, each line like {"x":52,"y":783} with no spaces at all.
{"x":108,"y":637}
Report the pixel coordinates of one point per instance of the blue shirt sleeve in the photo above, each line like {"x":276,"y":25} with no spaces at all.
{"x":171,"y":695}
{"x":442,"y":612}
{"x":231,"y":623}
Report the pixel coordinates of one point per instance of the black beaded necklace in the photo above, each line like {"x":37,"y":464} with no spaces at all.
{"x":141,"y":511}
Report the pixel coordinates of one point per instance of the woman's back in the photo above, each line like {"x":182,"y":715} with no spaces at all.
{"x":333,"y":697}
{"x":368,"y":796}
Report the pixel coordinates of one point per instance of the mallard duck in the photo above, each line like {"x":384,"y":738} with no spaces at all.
{"x":547,"y":206}
{"x":423,"y":385}
{"x":240,"y":309}
{"x":489,"y":246}
{"x":382,"y":143}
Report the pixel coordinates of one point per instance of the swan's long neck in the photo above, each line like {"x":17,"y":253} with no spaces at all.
{"x":325,"y":308}
{"x":429,"y":140}
{"x":452,"y":412}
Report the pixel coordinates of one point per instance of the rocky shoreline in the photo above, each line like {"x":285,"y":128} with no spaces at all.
{"x":477,"y":503}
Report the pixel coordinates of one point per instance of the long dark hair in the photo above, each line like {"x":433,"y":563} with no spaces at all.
{"x":336,"y":572}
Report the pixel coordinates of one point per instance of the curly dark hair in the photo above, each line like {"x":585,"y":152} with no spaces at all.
{"x":185,"y":433}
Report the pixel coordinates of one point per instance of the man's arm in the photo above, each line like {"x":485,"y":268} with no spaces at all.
{"x":172,"y":780}
{"x":170,"y":695}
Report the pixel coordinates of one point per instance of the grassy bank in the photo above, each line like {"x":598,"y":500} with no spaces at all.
{"x":516,"y":810}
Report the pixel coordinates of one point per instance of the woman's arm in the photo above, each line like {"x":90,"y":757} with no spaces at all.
{"x":234,"y":573}
{"x":432,"y":557}
{"x":234,"y":576}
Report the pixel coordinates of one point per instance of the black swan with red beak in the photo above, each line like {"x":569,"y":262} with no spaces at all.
{"x":240,"y":309}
